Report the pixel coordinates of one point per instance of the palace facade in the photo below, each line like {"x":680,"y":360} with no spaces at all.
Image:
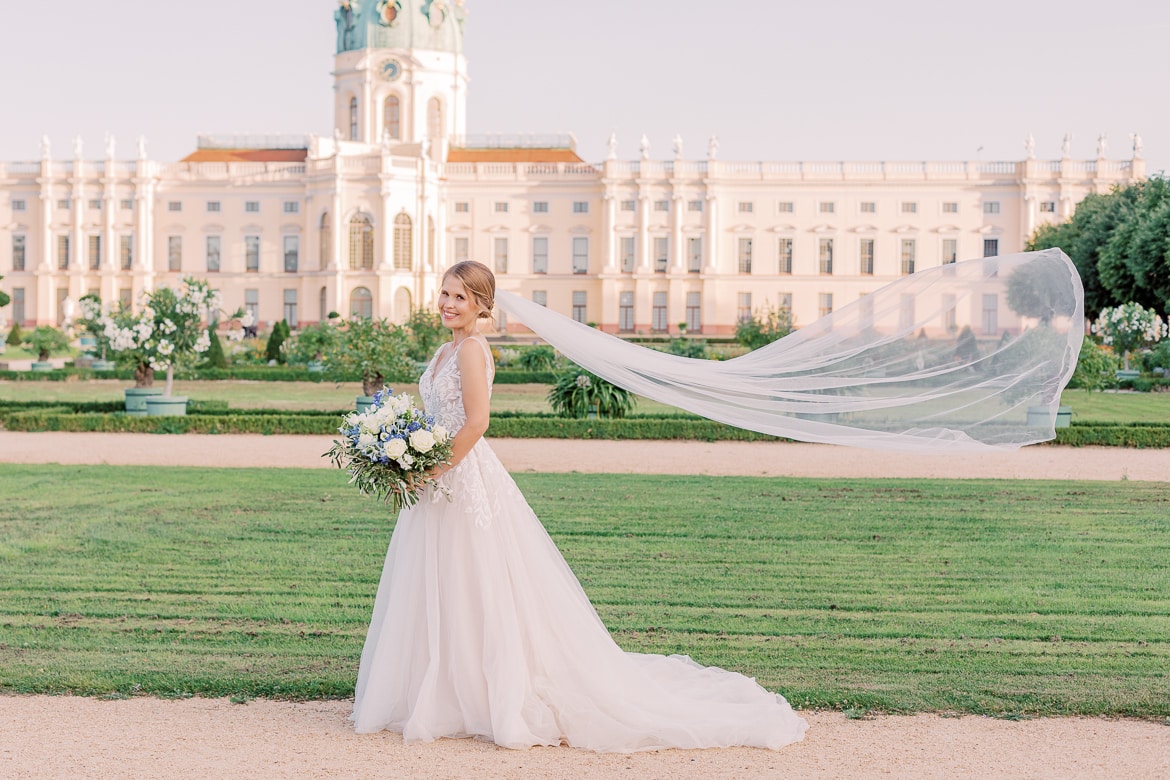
{"x":364,"y":221}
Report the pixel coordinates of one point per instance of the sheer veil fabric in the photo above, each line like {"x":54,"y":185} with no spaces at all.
{"x":964,"y":357}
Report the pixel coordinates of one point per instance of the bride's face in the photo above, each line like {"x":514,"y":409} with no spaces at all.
{"x":457,"y":307}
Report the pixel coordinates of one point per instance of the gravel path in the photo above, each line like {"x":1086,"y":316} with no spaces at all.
{"x":69,"y":737}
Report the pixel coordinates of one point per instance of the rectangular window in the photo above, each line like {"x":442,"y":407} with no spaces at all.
{"x":629,"y":254}
{"x":540,"y":255}
{"x":909,"y":208}
{"x":626,"y":312}
{"x":580,"y":312}
{"x":743,"y":306}
{"x":500,"y":255}
{"x":745,"y":255}
{"x":213,"y":206}
{"x":745,"y":207}
{"x":462,"y":249}
{"x":661,"y":254}
{"x":252,"y":305}
{"x":694,"y":205}
{"x":174,"y":205}
{"x":64,"y":203}
{"x":252,"y":206}
{"x":501,"y":207}
{"x":540,"y":297}
{"x":868,"y":207}
{"x":825,"y":255}
{"x":658,"y":321}
{"x":126,"y":204}
{"x":580,"y":207}
{"x":540,"y":207}
{"x":18,"y":314}
{"x":906,"y":312}
{"x":785,"y":250}
{"x":950,"y":207}
{"x":694,"y":255}
{"x":628,"y":205}
{"x":948,"y":313}
{"x":865,"y":250}
{"x":785,"y":207}
{"x":824,"y":304}
{"x":950,"y":250}
{"x":990,"y":314}
{"x":95,"y":252}
{"x":214,"y":246}
{"x":290,"y":308}
{"x":125,"y":296}
{"x":580,"y":255}
{"x":784,"y":301}
{"x":827,"y":207}
{"x":462,"y":207}
{"x":95,"y":204}
{"x":662,"y":205}
{"x":990,"y":247}
{"x":19,"y":249}
{"x":251,"y":253}
{"x":292,"y":207}
{"x":991,"y":207}
{"x":694,"y":312}
{"x":292,"y":255}
{"x":174,"y":253}
{"x":909,"y":252}
{"x":62,"y":252}
{"x":126,"y":252}
{"x":19,"y":205}
{"x":1048,"y":207}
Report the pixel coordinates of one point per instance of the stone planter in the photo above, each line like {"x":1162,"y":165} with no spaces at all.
{"x":88,"y":343}
{"x":103,"y":365}
{"x":315,"y":367}
{"x":363,"y":403}
{"x":38,"y":365}
{"x":1038,"y":417}
{"x":1128,"y":373}
{"x":166,"y":405}
{"x":136,"y":399}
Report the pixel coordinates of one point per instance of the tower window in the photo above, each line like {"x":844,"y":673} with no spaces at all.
{"x":392,"y":117}
{"x":353,"y":119}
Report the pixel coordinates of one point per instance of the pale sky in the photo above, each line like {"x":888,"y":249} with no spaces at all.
{"x":855,"y":80}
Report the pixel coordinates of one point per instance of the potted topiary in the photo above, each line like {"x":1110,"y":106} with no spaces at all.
{"x":311,"y":344}
{"x":169,"y":331}
{"x":1126,"y":328}
{"x":374,"y":350}
{"x":45,"y":340}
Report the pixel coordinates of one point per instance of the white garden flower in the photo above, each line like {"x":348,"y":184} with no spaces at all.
{"x":422,"y":441}
{"x":366,"y":440}
{"x":440,"y":433}
{"x":203,"y":343}
{"x":396,"y":448}
{"x":406,"y":461}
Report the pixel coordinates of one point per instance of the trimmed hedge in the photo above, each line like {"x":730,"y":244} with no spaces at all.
{"x":256,"y":374}
{"x":1134,"y":435}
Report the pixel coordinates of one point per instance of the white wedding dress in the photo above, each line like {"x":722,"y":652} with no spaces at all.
{"x":481,"y":629}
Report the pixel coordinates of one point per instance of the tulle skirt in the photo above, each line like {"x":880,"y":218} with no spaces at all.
{"x":481,"y":629}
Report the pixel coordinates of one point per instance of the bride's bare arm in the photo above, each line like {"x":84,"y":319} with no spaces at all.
{"x":476,"y":400}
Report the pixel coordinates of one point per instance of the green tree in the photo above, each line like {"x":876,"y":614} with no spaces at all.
{"x":274,"y":349}
{"x":765,"y":325}
{"x":312,"y":342}
{"x":15,"y":336}
{"x":426,"y":332}
{"x":215,"y":356}
{"x":4,"y":297}
{"x":45,"y":340}
{"x":376,"y":350}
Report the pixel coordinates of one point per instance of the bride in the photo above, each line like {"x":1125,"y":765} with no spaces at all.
{"x":481,"y":629}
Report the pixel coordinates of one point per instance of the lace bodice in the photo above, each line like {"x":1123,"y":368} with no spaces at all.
{"x":441,"y":388}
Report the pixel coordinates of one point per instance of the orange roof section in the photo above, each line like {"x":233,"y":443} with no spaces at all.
{"x":512,"y":155}
{"x":246,"y":155}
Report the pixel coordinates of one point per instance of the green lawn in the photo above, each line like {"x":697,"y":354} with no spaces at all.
{"x":1010,"y":599}
{"x":1087,"y":406}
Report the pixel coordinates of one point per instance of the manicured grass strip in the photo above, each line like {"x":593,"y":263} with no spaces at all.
{"x":1021,"y":598}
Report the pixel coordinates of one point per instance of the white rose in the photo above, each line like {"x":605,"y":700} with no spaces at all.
{"x":395,"y":448}
{"x":366,"y":440}
{"x":406,"y":462}
{"x":440,"y":433}
{"x":422,"y":441}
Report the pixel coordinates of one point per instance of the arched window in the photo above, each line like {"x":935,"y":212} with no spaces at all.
{"x":431,"y":243}
{"x":401,"y":305}
{"x":353,"y":119}
{"x":325,"y":250}
{"x":402,"y":239}
{"x":434,"y":119}
{"x":392,"y":117}
{"x":361,"y":243}
{"x":361,"y":303}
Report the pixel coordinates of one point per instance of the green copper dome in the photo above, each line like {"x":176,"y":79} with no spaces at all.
{"x":433,"y":25}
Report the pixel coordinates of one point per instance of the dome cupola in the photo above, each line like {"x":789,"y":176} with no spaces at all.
{"x":430,"y":25}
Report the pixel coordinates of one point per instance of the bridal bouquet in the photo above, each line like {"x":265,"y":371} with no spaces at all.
{"x":389,"y":447}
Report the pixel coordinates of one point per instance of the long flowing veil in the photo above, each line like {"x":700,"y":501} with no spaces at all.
{"x":969,"y":356}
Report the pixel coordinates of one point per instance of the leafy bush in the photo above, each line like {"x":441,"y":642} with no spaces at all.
{"x":45,"y":340}
{"x":578,"y":393}
{"x":765,"y":325}
{"x":375,"y":350}
{"x":312,"y":342}
{"x":690,"y":348}
{"x":275,"y":349}
{"x":15,"y":336}
{"x":1096,"y":367}
{"x":426,"y":332}
{"x":538,"y":358}
{"x":1158,"y":357}
{"x":966,"y":345}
